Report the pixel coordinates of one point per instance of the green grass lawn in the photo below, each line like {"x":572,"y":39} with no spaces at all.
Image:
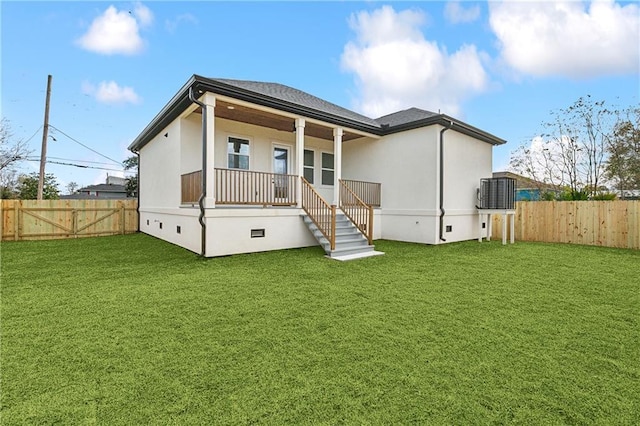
{"x":132,"y":330}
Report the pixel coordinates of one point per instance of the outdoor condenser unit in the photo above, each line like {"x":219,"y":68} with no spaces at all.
{"x":497,"y":193}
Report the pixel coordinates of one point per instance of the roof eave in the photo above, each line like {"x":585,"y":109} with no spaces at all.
{"x":180,"y":102}
{"x":166,"y":115}
{"x":202,"y":84}
{"x":445,"y":120}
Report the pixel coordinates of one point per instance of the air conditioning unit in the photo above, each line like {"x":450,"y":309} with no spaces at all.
{"x":497,"y":194}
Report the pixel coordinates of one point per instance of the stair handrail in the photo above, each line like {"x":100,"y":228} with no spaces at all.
{"x":358,"y":212}
{"x":321,"y":213}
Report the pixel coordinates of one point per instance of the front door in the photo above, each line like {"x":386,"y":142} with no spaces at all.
{"x":281,"y":167}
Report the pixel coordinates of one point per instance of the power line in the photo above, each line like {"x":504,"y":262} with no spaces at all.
{"x":32,"y":158}
{"x":84,"y":166}
{"x":78,"y":161}
{"x":81,"y":144}
{"x":34,"y":133}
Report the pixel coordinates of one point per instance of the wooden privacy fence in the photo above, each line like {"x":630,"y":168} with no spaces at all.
{"x":598,"y":223}
{"x":53,"y":219}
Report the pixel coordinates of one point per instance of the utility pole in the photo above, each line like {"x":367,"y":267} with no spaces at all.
{"x":45,"y":135}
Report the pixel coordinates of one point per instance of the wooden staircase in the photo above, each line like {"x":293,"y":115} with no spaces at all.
{"x":335,"y":229}
{"x":349,"y":241}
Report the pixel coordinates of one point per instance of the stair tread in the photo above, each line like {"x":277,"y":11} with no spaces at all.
{"x":363,"y":249}
{"x":349,"y":240}
{"x":356,"y":238}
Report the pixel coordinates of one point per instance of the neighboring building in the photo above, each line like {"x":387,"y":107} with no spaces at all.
{"x":115,"y":188}
{"x":528,"y":189}
{"x":258,"y":142}
{"x":116,"y":180}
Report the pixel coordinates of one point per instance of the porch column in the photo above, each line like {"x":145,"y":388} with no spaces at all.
{"x":299,"y":158}
{"x":210,"y":197}
{"x":337,"y":164}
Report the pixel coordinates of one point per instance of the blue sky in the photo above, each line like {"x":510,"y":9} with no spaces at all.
{"x":500,"y":66}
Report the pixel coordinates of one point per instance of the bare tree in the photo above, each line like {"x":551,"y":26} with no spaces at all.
{"x":71,"y":188}
{"x":11,"y":151}
{"x":11,"y":154}
{"x":573,"y":150}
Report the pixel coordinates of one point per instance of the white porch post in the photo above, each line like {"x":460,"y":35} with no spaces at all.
{"x":337,"y":164}
{"x":210,"y":197}
{"x":299,"y":158}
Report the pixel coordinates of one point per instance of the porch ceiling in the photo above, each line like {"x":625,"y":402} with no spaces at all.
{"x":261,"y":118}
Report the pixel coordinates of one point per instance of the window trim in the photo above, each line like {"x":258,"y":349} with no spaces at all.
{"x":313,"y":167}
{"x":333,"y":169}
{"x":250,"y":142}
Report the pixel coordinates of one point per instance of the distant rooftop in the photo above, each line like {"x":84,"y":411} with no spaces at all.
{"x":104,"y":187}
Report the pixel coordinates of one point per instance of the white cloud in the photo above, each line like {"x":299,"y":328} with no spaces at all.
{"x":117,"y":32}
{"x":568,"y":38}
{"x":397,"y":68}
{"x":109,"y":92}
{"x":144,"y":14}
{"x":456,"y":14}
{"x":171,"y":25}
{"x":87,"y":88}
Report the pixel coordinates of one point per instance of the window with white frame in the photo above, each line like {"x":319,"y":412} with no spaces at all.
{"x":238,"y":153}
{"x":327,"y":168}
{"x":308,"y":165}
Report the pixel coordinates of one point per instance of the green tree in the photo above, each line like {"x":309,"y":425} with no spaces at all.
{"x":28,"y":187}
{"x":623,"y":164}
{"x":131,"y":164}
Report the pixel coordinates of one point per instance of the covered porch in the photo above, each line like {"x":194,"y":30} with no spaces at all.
{"x":251,"y":188}
{"x":356,"y":199}
{"x":269,"y":158}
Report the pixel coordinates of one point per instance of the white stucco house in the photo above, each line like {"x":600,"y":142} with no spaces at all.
{"x":231,"y":166}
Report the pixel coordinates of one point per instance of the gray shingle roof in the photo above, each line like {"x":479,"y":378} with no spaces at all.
{"x":285,"y":98}
{"x":404,"y":117}
{"x":103,"y":187}
{"x":81,"y":196}
{"x":298,"y":97}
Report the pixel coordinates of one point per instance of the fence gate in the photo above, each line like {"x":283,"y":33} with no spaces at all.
{"x":52,"y":219}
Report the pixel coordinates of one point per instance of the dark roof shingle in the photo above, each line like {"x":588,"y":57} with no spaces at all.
{"x":103,"y":187}
{"x":285,"y":98}
{"x":405,"y":116}
{"x":298,"y":97}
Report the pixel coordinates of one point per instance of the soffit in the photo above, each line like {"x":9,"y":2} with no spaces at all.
{"x":257,"y":117}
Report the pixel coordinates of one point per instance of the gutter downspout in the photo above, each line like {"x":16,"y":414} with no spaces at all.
{"x":442,"y":211}
{"x":203,"y":190}
{"x":138,"y":190}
